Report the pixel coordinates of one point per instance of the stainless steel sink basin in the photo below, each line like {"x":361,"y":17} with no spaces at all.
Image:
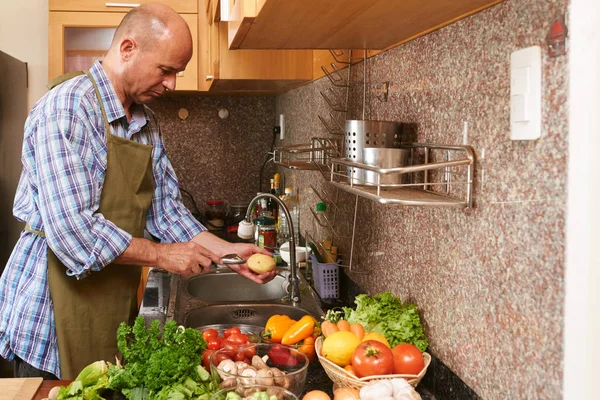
{"x":237,"y":314}
{"x":231,"y":287}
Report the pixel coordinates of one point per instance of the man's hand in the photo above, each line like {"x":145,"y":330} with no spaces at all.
{"x":245,"y":250}
{"x":187,"y":259}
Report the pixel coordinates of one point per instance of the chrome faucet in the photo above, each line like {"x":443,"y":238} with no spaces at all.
{"x":293,"y":278}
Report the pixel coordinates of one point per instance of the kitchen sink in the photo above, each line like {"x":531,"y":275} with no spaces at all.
{"x":232,"y":287}
{"x":240,"y":314}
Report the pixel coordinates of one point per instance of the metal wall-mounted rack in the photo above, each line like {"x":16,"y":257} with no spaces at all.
{"x":438,"y":175}
{"x":316,"y":155}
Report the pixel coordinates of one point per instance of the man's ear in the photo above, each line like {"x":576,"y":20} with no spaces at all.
{"x":127,"y":48}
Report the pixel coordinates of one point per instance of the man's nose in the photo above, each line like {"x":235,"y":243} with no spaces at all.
{"x":169,"y":81}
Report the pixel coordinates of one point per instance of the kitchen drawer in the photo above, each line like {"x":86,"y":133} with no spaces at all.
{"x":181,"y":6}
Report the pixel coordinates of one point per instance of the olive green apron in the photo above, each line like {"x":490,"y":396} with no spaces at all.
{"x":87,"y":312}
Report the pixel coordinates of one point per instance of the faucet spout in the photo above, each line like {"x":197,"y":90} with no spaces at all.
{"x":294,"y":279}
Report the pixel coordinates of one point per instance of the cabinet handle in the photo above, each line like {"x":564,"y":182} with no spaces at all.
{"x":122,"y":5}
{"x":209,"y":77}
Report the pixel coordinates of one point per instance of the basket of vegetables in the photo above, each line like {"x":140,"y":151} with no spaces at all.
{"x":381,"y":339}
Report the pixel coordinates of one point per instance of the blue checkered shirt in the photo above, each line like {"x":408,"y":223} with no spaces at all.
{"x":64,"y":164}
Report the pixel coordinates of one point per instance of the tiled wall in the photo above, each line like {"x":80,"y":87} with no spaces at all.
{"x":489,"y":280}
{"x":218,"y":158}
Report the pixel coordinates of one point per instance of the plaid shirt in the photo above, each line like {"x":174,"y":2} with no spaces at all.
{"x":64,"y":164}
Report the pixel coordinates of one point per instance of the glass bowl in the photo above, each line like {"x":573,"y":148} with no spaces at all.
{"x":248,"y":391}
{"x":271,"y":364}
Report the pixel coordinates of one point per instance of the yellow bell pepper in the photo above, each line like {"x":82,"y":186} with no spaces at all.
{"x":276,"y":327}
{"x":299,"y":331}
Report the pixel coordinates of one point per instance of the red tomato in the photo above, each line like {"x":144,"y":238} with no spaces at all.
{"x":206,"y":358}
{"x":372,"y":358}
{"x":237,"y":338}
{"x":229,"y":331}
{"x":407,"y":359}
{"x":249,"y":352}
{"x":214,"y":343}
{"x":239,"y":356}
{"x":209,"y":333}
{"x":218,"y":357}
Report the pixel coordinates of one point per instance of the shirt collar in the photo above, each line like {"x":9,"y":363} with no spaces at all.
{"x":112,"y":105}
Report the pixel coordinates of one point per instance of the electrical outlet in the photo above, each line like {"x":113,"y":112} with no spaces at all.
{"x":282,"y":125}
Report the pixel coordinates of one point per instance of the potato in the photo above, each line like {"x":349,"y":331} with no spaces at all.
{"x":261,"y":263}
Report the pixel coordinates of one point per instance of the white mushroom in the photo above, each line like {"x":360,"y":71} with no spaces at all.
{"x":248,"y":376}
{"x":226,"y":369}
{"x":264,"y":377}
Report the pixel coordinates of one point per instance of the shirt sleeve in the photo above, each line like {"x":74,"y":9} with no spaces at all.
{"x":69,"y":196}
{"x":168,"y":218}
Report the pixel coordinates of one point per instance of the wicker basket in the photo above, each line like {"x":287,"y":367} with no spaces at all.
{"x":343,"y":378}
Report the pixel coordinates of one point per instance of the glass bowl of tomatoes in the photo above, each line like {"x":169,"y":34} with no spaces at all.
{"x":221,"y":335}
{"x":267,"y":364}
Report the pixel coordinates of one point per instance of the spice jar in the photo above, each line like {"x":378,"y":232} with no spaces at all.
{"x":215,"y":214}
{"x":266,"y":232}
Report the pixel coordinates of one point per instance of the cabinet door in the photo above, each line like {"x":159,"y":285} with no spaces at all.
{"x":77,"y":39}
{"x":208,"y":45}
{"x":181,"y":6}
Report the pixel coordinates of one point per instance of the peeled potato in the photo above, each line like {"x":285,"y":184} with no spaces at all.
{"x":261,"y":263}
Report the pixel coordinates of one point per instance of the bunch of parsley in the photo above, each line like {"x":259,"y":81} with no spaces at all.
{"x":398,"y":322}
{"x":160,"y":365}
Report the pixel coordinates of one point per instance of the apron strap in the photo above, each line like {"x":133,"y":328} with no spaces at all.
{"x":106,"y":123}
{"x":28,"y":229}
{"x":62,"y":78}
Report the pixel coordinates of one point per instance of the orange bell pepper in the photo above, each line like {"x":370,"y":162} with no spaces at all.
{"x":299,"y":331}
{"x":307,"y":346}
{"x":276,"y":327}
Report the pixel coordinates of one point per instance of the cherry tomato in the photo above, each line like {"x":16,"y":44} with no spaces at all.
{"x":249,"y":352}
{"x":408,"y":359}
{"x":218,"y":357}
{"x":214,"y":343}
{"x":372,"y":358}
{"x":206,"y":358}
{"x":209,"y":333}
{"x":229,"y":331}
{"x":237,"y":338}
{"x":239,"y":356}
{"x":229,"y":350}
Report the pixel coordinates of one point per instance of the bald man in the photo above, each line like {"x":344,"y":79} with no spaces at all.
{"x":95,"y":176}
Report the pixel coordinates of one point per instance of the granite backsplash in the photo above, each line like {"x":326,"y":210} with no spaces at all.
{"x":216,"y":158}
{"x":489,"y":281}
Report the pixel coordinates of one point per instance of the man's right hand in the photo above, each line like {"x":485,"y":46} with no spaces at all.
{"x":187,"y":259}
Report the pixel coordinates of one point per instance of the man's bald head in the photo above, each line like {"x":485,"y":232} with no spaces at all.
{"x":151,"y":22}
{"x":152,"y":44}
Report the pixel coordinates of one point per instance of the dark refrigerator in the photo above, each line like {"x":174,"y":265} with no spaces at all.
{"x":13,"y":112}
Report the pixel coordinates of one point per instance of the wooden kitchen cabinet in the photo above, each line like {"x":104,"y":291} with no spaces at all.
{"x":348,"y":24}
{"x":181,"y":6}
{"x":256,"y":71}
{"x":77,"y":39}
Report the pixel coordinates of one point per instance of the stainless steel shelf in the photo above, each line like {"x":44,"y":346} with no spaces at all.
{"x":453,"y":187}
{"x":402,"y":196}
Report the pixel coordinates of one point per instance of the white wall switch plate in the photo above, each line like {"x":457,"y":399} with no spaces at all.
{"x":526,"y":94}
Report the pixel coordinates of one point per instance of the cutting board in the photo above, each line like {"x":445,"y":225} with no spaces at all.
{"x":19,"y":388}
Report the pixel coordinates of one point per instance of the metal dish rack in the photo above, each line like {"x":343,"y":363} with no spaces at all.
{"x":438,"y":175}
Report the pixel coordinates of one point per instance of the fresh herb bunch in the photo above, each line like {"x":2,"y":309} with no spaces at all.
{"x":398,"y":322}
{"x":158,"y":363}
